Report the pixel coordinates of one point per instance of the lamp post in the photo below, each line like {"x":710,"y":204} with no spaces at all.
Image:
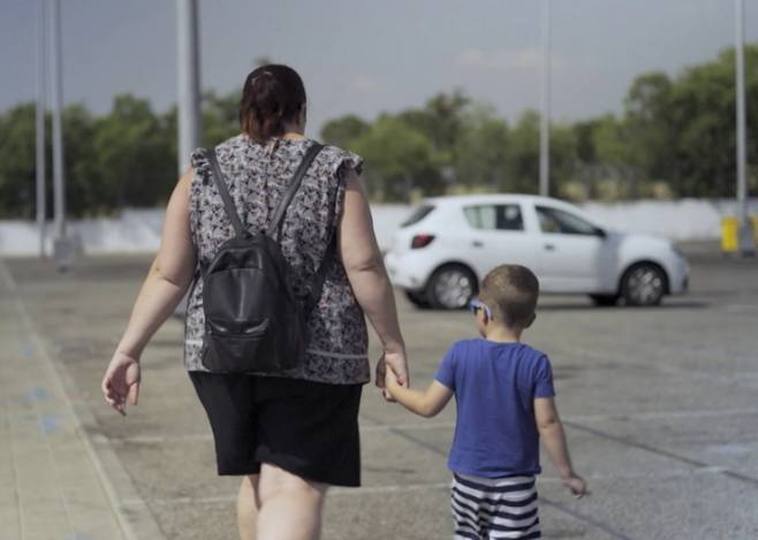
{"x":545,"y":103}
{"x":41,"y":204}
{"x":63,"y":247}
{"x":188,"y":59}
{"x":746,"y":245}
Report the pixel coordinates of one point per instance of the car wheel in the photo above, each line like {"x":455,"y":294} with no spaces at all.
{"x":604,"y":300}
{"x":643,"y":284}
{"x":418,"y":299}
{"x":451,"y":287}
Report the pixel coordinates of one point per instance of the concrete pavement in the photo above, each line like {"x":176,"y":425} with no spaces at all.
{"x":53,"y":484}
{"x":660,"y":407}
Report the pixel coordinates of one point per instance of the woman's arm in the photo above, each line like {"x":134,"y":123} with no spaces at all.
{"x":426,"y":404}
{"x":167,"y":280}
{"x":365,"y":270}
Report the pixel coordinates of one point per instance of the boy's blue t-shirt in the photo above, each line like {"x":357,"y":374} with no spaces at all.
{"x":495,"y":385}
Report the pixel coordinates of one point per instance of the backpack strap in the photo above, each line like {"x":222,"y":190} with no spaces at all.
{"x":317,"y":283}
{"x":275,"y":227}
{"x":220,"y":180}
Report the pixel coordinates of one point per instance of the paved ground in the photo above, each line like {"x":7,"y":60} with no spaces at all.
{"x":661,"y":408}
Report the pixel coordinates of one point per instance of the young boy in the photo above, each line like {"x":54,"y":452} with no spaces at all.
{"x":504,"y":395}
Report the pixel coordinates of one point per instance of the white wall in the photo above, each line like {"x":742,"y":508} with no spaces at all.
{"x":137,"y":230}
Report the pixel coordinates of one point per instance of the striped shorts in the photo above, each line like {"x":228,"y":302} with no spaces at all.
{"x":486,"y":508}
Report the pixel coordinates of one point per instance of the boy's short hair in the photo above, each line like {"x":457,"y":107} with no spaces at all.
{"x":511,"y":291}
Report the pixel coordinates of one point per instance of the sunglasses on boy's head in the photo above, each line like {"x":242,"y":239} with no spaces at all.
{"x":475,"y":305}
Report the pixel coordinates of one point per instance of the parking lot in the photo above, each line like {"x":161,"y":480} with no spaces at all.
{"x":660,"y":406}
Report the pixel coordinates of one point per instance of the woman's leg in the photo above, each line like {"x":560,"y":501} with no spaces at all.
{"x":289,"y":506}
{"x":247,"y":507}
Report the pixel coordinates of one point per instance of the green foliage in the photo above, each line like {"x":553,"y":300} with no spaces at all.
{"x":398,"y":158}
{"x":17,"y":142}
{"x":675,"y":137}
{"x":524,"y":154}
{"x":342,"y":131}
{"x":220,"y":118}
{"x":480,"y":156}
{"x":132,"y":149}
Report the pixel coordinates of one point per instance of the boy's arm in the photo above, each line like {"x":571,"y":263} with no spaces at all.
{"x":554,"y":439}
{"x":426,"y":404}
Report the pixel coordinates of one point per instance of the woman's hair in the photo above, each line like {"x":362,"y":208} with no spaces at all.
{"x":272,"y":96}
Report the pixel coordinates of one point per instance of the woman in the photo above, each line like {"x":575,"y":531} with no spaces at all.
{"x":289,"y":437}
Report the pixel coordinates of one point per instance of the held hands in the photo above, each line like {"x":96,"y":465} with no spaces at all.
{"x":393,"y":364}
{"x":121,"y":382}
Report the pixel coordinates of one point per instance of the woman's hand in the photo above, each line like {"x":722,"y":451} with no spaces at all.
{"x":121,"y":382}
{"x":169,"y":277}
{"x":397,"y":361}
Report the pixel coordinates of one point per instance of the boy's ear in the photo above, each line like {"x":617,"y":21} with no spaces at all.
{"x":531,"y":320}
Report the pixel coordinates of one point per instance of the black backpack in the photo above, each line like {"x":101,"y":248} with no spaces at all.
{"x":253,"y":321}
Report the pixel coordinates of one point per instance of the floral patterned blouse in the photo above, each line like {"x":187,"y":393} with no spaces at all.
{"x":257,"y":176}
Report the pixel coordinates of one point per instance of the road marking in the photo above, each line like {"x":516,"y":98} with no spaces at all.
{"x":410,"y":488}
{"x":626,"y":441}
{"x":431,"y":426}
{"x":738,"y":308}
{"x":7,"y":278}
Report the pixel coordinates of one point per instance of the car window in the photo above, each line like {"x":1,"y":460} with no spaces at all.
{"x":509,"y":218}
{"x":504,"y":217}
{"x":480,"y":217}
{"x":553,"y":220}
{"x":417,"y":215}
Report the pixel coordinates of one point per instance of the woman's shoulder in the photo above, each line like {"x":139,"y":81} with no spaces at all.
{"x":199,"y":156}
{"x":337,"y":159}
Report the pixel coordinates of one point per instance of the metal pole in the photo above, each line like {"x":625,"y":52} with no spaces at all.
{"x":746,"y":239}
{"x":188,"y":61}
{"x":56,"y":76}
{"x":41,"y":206}
{"x":545,"y":103}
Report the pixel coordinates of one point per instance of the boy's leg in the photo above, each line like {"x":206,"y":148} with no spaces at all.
{"x":489,"y":508}
{"x":289,"y":506}
{"x":466,"y":527}
{"x":247,"y":507}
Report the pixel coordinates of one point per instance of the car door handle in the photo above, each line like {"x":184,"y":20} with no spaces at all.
{"x":549,"y":247}
{"x":477,"y":244}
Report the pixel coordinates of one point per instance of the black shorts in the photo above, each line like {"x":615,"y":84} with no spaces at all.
{"x":307,"y":428}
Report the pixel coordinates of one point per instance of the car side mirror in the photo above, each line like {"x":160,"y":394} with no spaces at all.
{"x":601,"y":233}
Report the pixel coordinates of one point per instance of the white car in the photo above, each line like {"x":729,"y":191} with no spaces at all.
{"x":443,"y":250}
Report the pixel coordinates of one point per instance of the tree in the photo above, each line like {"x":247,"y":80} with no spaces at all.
{"x":17,"y":169}
{"x":441,"y":119}
{"x":344,"y":131}
{"x":480,"y":156}
{"x":648,"y":128}
{"x":134,"y":155}
{"x":523,"y":155}
{"x":86,"y":189}
{"x":399,"y":159}
{"x":220,"y":117}
{"x":702,"y":114}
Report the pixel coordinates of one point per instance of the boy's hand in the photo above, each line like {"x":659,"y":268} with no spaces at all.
{"x":576,"y":485}
{"x":395,"y":361}
{"x":390,"y":378}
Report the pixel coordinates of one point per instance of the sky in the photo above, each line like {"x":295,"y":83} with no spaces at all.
{"x":365,"y":57}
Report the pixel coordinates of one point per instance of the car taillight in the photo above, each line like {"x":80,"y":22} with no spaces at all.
{"x":421,"y":240}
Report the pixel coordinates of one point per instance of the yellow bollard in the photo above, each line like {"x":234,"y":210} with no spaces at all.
{"x":754,"y":226}
{"x":730,"y":227}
